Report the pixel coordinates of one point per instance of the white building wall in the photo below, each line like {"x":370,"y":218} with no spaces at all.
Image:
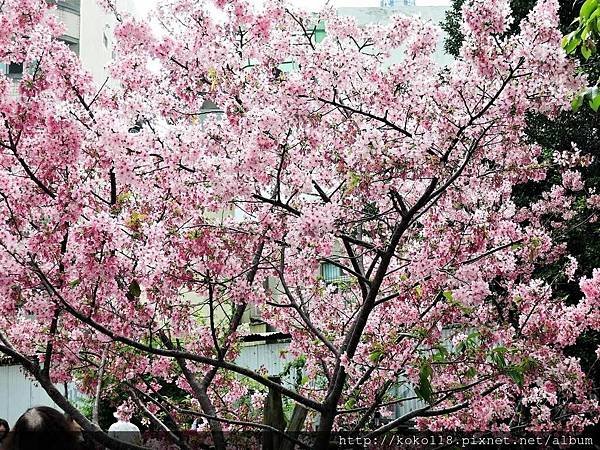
{"x":19,"y":393}
{"x":95,"y":42}
{"x":271,"y":357}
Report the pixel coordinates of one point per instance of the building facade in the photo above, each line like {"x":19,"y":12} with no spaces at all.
{"x":89,"y":33}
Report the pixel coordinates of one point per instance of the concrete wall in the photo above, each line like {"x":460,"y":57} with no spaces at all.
{"x":96,"y":38}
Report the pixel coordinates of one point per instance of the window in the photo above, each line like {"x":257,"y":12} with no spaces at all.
{"x":320,"y":32}
{"x":72,"y":5}
{"x":332,"y":273}
{"x":13,"y":70}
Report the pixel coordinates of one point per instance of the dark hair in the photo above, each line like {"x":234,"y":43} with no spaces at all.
{"x":4,"y":424}
{"x":39,"y":428}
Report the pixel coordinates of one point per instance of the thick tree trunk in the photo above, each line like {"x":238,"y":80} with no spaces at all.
{"x":295,"y":426}
{"x":323,"y":438}
{"x":274,"y":417}
{"x":98,"y":393}
{"x":201,"y":393}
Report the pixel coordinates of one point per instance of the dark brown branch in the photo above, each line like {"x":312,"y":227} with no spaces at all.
{"x":364,"y":285}
{"x":174,"y":353}
{"x":491,"y":251}
{"x":304,"y":31}
{"x":50,"y":343}
{"x":156,"y":421}
{"x":321,"y":192}
{"x":347,"y":269}
{"x":279,"y":204}
{"x":113,"y":186}
{"x":426,"y":411}
{"x":383,"y":120}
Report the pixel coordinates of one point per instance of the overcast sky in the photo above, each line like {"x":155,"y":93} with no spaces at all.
{"x":143,"y":6}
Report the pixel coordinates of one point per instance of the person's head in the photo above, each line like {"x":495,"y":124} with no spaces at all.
{"x":4,"y":429}
{"x":39,"y":428}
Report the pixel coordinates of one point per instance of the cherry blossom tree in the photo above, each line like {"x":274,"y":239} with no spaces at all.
{"x":139,"y":226}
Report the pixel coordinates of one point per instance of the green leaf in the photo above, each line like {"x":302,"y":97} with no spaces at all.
{"x":441,"y":355}
{"x":448,"y":296}
{"x":74,"y":283}
{"x":572,"y":44}
{"x":351,"y":403}
{"x":571,"y":41}
{"x":586,"y":52}
{"x":594,"y":101}
{"x":375,"y":355}
{"x":424,"y":389}
{"x":134,"y":289}
{"x":354,"y":180}
{"x":497,"y":356}
{"x":586,"y":31}
{"x":471,"y":372}
{"x":516,"y":374}
{"x":528,"y":364}
{"x":588,"y":8}
{"x":472,"y":339}
{"x":577,"y":102}
{"x":470,"y":342}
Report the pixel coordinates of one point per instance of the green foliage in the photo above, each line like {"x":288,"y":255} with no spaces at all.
{"x":471,"y":342}
{"x":586,"y":38}
{"x":517,"y":371}
{"x":296,"y":368}
{"x":497,"y":356}
{"x":441,"y":354}
{"x":516,"y":375}
{"x":375,"y":355}
{"x":85,"y":405}
{"x":587,"y":33}
{"x":134,"y":289}
{"x":424,"y":389}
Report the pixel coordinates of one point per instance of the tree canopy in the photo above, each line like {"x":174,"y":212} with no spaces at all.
{"x":140,"y":226}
